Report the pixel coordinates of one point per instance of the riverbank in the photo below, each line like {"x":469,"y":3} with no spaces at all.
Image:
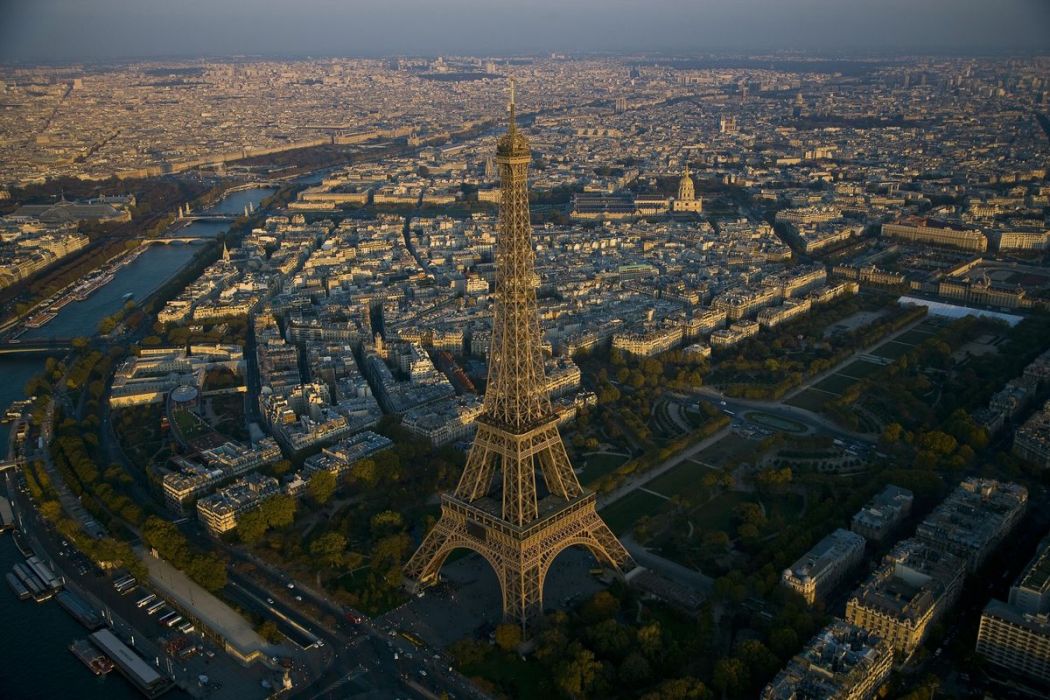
{"x":46,"y":312}
{"x":37,"y":661}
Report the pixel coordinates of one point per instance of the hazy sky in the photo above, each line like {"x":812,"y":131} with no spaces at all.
{"x":33,"y":30}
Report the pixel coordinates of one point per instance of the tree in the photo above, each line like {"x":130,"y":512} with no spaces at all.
{"x":279,"y":510}
{"x":252,"y":526}
{"x":386,"y":522}
{"x":602,"y":606}
{"x":364,"y":471}
{"x":328,"y":549}
{"x":730,"y":676}
{"x":784,"y":642}
{"x":893,"y":433}
{"x":268,"y":631}
{"x":576,"y":676}
{"x":650,"y":640}
{"x":322,"y":486}
{"x":508,"y":636}
{"x":679,"y":689}
{"x":635,"y":670}
{"x":938,"y":442}
{"x":609,"y":638}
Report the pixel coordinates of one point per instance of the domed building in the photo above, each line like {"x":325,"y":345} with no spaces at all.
{"x":687,"y":200}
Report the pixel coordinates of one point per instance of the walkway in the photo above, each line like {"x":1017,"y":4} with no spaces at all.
{"x":668,"y":464}
{"x":70,"y":503}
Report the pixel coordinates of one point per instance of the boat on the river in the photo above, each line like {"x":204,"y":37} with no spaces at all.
{"x":90,"y":656}
{"x":18,"y":587}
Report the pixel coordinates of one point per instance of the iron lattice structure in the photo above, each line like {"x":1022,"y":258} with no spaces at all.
{"x":505,"y":519}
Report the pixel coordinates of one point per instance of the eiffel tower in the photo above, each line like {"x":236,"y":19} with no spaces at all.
{"x":517,"y":528}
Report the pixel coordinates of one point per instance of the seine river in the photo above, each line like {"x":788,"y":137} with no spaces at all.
{"x":34,"y":658}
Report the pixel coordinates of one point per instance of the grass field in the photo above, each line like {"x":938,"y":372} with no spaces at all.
{"x":915,"y":336}
{"x":730,"y":448}
{"x":684,"y":480}
{"x":189,"y":425}
{"x":717,"y":514}
{"x":622,"y":515}
{"x":861,"y":369}
{"x":835,"y":384}
{"x":810,"y":400}
{"x":595,"y":466}
{"x":892,"y":350}
{"x":788,"y":505}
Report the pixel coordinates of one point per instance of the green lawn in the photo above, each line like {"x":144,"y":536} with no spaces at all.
{"x":717,"y":514}
{"x":893,"y":349}
{"x":915,"y":336}
{"x":189,"y":425}
{"x":595,"y":466}
{"x":622,"y":515}
{"x":683,"y":480}
{"x":727,"y":450}
{"x":860,"y":369}
{"x":810,"y":400}
{"x":696,"y":418}
{"x":788,"y":505}
{"x":836,"y":384}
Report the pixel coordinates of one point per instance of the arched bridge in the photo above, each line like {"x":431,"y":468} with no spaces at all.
{"x":176,"y":240}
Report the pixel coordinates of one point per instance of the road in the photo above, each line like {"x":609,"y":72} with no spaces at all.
{"x":777,"y":408}
{"x":129,"y":622}
{"x":670,"y":463}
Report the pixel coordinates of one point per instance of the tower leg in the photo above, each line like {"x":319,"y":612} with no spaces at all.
{"x":523,"y":596}
{"x":422,"y":569}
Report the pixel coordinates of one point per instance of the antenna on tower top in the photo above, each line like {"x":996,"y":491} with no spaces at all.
{"x":513,"y":126}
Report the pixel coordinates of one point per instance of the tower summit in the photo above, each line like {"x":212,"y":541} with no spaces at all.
{"x":517,"y":524}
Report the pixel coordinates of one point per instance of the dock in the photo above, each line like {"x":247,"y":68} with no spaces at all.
{"x":7,"y":516}
{"x":18,"y":587}
{"x":81,"y":611}
{"x":132,"y":666}
{"x":20,"y":542}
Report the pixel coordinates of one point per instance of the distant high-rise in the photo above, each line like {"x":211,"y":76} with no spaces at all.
{"x":510,"y":523}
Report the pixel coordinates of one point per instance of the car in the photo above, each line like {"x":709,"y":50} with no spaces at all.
{"x":299,"y":598}
{"x":270,"y":601}
{"x":291,"y":586}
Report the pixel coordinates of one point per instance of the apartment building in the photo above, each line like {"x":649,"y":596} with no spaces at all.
{"x":821,"y":568}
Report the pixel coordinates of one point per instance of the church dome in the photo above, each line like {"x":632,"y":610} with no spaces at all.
{"x":686,"y":191}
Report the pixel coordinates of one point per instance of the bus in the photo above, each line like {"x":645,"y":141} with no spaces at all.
{"x":174,"y":621}
{"x":416,"y":641}
{"x":167,"y":616}
{"x":143,"y":602}
{"x":155,"y":608}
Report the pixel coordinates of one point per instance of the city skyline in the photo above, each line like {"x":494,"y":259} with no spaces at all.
{"x":68,"y":31}
{"x":503,"y":350}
